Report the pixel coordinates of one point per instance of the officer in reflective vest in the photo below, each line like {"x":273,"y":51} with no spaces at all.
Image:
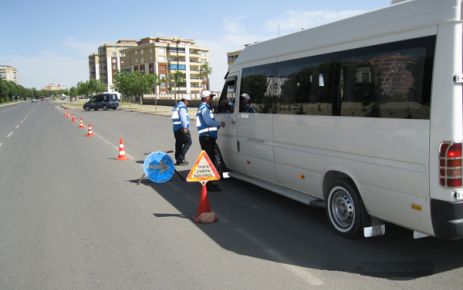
{"x":181,"y":124}
{"x":207,"y":127}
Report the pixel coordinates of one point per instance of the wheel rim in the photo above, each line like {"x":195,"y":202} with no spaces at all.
{"x":342,"y":209}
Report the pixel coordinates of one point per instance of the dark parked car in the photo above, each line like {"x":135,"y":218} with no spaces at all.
{"x":102,"y":101}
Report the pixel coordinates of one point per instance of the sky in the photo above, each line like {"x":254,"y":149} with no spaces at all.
{"x":49,"y":41}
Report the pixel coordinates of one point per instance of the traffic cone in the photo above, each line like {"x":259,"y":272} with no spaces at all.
{"x":204,"y":214}
{"x":65,"y":114}
{"x":81,"y":124}
{"x":73,"y":119}
{"x":121,"y":151}
{"x":90,"y":131}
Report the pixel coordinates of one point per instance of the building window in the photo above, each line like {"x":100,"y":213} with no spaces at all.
{"x":173,"y":66}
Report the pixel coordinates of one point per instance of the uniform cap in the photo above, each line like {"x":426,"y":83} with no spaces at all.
{"x":206,"y":93}
{"x":186,"y":97}
{"x":245,"y":96}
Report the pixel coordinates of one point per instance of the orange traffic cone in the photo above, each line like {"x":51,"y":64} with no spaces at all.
{"x":121,"y":151}
{"x":90,"y":131}
{"x":81,"y":123}
{"x":204,"y":214}
{"x":65,"y":114}
{"x":73,"y":118}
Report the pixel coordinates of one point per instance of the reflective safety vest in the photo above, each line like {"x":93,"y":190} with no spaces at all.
{"x":176,"y":122}
{"x":203,"y":128}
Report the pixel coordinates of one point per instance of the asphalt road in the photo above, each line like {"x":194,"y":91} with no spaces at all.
{"x":73,"y":217}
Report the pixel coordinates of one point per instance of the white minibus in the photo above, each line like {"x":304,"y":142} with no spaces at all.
{"x":363,"y":115}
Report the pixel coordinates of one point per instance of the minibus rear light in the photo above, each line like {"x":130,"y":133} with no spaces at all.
{"x":450,"y":164}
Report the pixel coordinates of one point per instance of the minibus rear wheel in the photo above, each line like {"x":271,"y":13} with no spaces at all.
{"x":345,"y":208}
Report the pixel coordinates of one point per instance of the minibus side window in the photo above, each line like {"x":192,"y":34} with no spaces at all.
{"x":227,"y":97}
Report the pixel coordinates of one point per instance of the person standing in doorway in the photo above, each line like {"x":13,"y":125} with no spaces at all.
{"x":181,"y":125}
{"x":208,"y":128}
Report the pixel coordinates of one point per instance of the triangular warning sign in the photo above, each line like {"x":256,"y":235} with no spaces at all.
{"x":203,"y":169}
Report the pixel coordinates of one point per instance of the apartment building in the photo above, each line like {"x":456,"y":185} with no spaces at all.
{"x":105,"y":64}
{"x":8,"y":73}
{"x":165,"y":56}
{"x":94,"y":66}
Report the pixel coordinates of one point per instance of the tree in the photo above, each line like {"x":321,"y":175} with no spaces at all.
{"x":90,"y":87}
{"x":122,"y":84}
{"x":176,"y":79}
{"x":73,"y":92}
{"x":135,"y":84}
{"x":205,"y":71}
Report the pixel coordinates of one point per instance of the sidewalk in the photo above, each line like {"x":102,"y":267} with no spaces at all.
{"x":11,"y":103}
{"x":145,"y":109}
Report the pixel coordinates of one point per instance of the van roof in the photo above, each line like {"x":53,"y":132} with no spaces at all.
{"x":400,"y":17}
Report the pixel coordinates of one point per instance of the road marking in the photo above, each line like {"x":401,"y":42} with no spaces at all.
{"x":112,"y":145}
{"x":302,"y":273}
{"x":9,"y":134}
{"x":175,"y":187}
{"x":16,"y":127}
{"x":1,"y":144}
{"x":223,"y":219}
{"x":190,"y":198}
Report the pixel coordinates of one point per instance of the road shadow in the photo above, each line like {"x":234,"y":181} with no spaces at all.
{"x":256,"y":222}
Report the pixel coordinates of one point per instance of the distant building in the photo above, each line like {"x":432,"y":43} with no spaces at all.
{"x":8,"y":73}
{"x":164,"y":56}
{"x":105,"y":64}
{"x":94,"y":66}
{"x":55,"y":87}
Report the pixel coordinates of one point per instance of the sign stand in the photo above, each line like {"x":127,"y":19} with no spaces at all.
{"x":203,"y":171}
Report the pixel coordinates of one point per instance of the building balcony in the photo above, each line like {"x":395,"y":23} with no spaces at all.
{"x":173,"y":61}
{"x":174,"y":53}
{"x":195,"y":61}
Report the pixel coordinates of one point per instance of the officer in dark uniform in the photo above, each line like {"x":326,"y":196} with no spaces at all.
{"x":207,"y":127}
{"x":181,"y":125}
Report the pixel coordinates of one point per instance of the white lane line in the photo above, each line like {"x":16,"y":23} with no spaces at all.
{"x":22,"y":121}
{"x":9,"y":134}
{"x":112,"y":145}
{"x":223,"y":219}
{"x":189,"y":197}
{"x":175,"y":187}
{"x":302,"y":273}
{"x":1,"y":144}
{"x":16,"y":127}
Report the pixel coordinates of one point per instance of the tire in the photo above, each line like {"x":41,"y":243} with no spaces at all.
{"x":105,"y":107}
{"x":86,"y":108}
{"x":96,"y":109}
{"x":345,"y":209}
